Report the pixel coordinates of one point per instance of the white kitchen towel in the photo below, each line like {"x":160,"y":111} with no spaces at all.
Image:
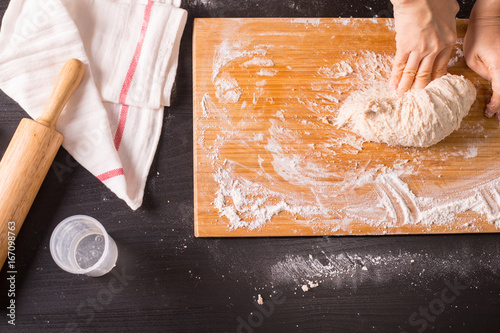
{"x":113,"y":122}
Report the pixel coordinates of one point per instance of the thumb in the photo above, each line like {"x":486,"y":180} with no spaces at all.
{"x":493,"y":106}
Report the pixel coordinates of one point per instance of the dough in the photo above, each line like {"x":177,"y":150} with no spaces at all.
{"x":421,"y":118}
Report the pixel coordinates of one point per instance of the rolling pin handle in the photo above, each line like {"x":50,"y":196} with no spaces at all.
{"x":68,"y":80}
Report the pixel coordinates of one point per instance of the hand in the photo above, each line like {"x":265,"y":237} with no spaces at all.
{"x":425,"y":36}
{"x":482,"y":48}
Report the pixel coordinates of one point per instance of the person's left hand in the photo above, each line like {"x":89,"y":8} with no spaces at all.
{"x":482,"y":50}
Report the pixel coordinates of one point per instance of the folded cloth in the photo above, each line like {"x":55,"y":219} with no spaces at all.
{"x":112,"y":124}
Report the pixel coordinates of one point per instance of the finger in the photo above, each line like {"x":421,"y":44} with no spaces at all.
{"x":409,"y":73}
{"x":477,"y":65}
{"x":424,"y":71}
{"x":397,"y":68}
{"x":441,"y":63}
{"x":493,"y":106}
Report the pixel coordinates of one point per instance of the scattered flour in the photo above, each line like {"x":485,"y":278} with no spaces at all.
{"x":312,"y":21}
{"x":390,"y":24}
{"x":227,"y":89}
{"x":342,"y":69}
{"x":267,"y":72}
{"x":350,"y":270}
{"x":312,"y":284}
{"x":261,"y":83}
{"x":244,"y":200}
{"x":309,"y":285}
{"x":471,"y":152}
{"x":329,"y":97}
{"x":458,"y":54}
{"x":239,"y":197}
{"x":230,"y":50}
{"x":345,"y":21}
{"x":262,"y":62}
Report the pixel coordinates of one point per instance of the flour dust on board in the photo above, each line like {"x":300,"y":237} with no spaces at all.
{"x":298,"y":165}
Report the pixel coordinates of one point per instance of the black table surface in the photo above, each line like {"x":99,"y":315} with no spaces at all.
{"x":166,"y":280}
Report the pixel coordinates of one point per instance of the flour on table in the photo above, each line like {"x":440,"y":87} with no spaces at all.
{"x":258,"y":61}
{"x":309,"y":285}
{"x":458,"y":54}
{"x":230,"y":50}
{"x":342,"y":69}
{"x":345,"y":20}
{"x":340,"y":270}
{"x":390,"y":24}
{"x":267,"y":72}
{"x":239,"y":198}
{"x":471,"y":152}
{"x":420,"y":118}
{"x":227,"y":89}
{"x":312,"y":21}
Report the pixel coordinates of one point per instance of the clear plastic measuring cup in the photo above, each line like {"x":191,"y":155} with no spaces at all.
{"x":81,"y":245}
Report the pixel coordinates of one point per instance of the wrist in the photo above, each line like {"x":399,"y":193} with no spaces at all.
{"x":408,"y":3}
{"x":415,"y":6}
{"x":485,"y":9}
{"x":420,"y":3}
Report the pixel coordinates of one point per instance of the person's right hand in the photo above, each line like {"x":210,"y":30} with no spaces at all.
{"x":482,"y":48}
{"x":425,"y":36}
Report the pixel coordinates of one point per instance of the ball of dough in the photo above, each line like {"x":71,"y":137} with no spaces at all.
{"x":420,"y":118}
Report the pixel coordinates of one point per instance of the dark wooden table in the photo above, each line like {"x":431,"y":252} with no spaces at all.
{"x":166,"y":280}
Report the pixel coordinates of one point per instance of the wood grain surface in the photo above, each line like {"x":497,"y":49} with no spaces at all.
{"x":299,"y":80}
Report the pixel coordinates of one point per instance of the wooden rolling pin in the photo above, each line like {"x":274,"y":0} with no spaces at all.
{"x":29,"y":156}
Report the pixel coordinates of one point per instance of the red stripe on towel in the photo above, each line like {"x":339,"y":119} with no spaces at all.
{"x":110,"y":174}
{"x":121,"y":126}
{"x":130,"y":75}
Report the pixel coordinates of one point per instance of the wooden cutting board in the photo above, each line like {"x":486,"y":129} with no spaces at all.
{"x":268,"y":160}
